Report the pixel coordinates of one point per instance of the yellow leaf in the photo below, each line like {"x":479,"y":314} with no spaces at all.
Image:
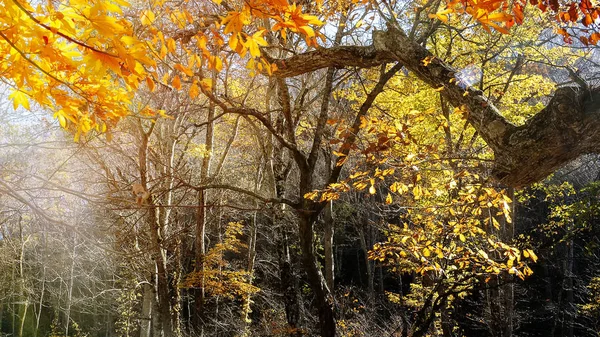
{"x":206,"y":84}
{"x":417,"y":192}
{"x":372,"y":189}
{"x":462,"y":238}
{"x":312,"y":20}
{"x":426,"y":252}
{"x":311,"y":195}
{"x":441,"y":17}
{"x":61,"y":118}
{"x":495,"y":223}
{"x":532,"y":255}
{"x":426,"y":61}
{"x":254,"y":42}
{"x":216,"y":63}
{"x":234,"y":22}
{"x":388,"y":199}
{"x":171,"y":45}
{"x":19,"y":98}
{"x":147,"y":17}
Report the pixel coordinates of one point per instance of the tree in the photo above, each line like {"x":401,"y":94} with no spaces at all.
{"x":92,"y":61}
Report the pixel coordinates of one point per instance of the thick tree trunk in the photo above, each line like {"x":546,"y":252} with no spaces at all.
{"x":323,"y":298}
{"x":146,"y":314}
{"x":525,"y":154}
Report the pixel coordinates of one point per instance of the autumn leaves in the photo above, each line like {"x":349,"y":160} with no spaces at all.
{"x":501,"y":15}
{"x":86,"y":60}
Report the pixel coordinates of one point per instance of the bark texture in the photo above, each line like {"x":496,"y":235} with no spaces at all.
{"x":335,"y":57}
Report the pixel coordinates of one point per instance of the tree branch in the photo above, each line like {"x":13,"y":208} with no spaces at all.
{"x":242,"y":191}
{"x":336,"y":57}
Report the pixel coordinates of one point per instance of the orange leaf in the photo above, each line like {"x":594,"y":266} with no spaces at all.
{"x":150,"y":83}
{"x":184,"y":69}
{"x":194,"y":90}
{"x":176,"y":82}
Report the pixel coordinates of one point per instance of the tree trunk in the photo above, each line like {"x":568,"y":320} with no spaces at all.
{"x":162,"y":282}
{"x":568,"y":284}
{"x":200,"y":251}
{"x":70,"y":290}
{"x":323,"y":298}
{"x":328,"y":246}
{"x":41,"y":303}
{"x":201,"y":213}
{"x":23,"y":315}
{"x":158,"y":253}
{"x":156,"y":317}
{"x":23,"y":293}
{"x":146,"y":314}
{"x":365,"y":248}
{"x":288,"y":285}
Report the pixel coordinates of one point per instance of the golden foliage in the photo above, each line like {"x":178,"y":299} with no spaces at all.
{"x":218,"y":276}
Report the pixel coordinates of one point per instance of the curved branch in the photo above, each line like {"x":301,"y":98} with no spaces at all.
{"x":242,"y":191}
